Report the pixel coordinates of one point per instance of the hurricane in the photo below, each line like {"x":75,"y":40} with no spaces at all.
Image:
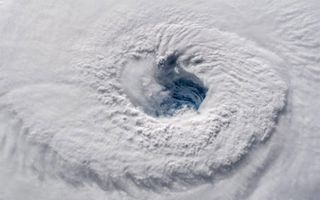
{"x":164,"y":100}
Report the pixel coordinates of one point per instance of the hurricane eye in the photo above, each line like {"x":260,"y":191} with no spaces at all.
{"x":163,"y":88}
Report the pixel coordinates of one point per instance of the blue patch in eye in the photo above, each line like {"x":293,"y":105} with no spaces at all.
{"x":183,"y":88}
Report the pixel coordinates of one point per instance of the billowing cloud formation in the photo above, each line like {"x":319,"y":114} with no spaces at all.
{"x":134,"y":100}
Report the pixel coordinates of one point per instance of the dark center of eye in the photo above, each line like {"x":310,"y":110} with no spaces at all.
{"x":184,"y":89}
